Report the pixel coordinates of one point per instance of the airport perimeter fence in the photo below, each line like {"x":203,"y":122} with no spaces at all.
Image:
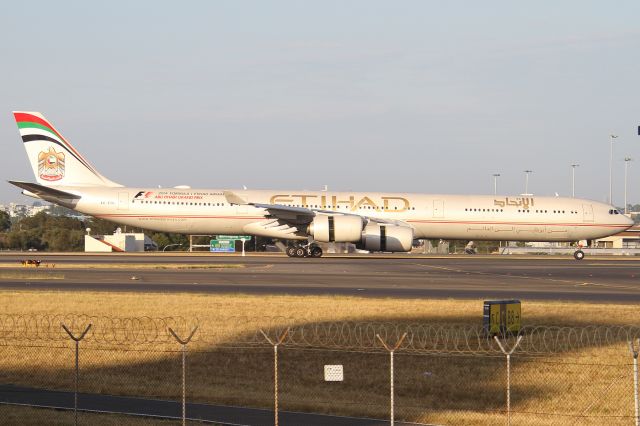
{"x":238,"y":370}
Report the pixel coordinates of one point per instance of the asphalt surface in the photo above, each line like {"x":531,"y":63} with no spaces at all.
{"x":610,"y":279}
{"x":218,"y":414}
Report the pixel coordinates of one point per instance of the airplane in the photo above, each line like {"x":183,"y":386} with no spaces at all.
{"x":373,"y":221}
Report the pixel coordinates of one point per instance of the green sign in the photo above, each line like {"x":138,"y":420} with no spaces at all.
{"x":233,"y":237}
{"x":223,"y":246}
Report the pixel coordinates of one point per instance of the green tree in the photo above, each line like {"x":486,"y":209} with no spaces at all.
{"x":5,"y":221}
{"x":164,"y":239}
{"x":100,"y":226}
{"x":24,"y":240}
{"x":60,"y":239}
{"x":45,"y":232}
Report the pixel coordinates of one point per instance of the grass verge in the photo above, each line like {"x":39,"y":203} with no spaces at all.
{"x":47,"y":266}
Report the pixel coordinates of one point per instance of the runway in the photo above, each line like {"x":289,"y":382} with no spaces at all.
{"x":406,"y":276}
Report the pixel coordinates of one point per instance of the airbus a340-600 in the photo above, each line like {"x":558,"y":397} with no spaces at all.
{"x":374,"y":221}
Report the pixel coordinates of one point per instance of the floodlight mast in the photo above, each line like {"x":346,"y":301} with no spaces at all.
{"x":526,"y":181}
{"x":612,"y":137}
{"x":573,"y":179}
{"x":626,"y":167}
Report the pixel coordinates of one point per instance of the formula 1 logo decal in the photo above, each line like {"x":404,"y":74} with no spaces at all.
{"x":143,"y":194}
{"x":51,"y":165}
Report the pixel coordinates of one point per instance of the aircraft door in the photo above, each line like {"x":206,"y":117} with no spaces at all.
{"x":438,"y":208}
{"x":587,"y":212}
{"x":123,"y":201}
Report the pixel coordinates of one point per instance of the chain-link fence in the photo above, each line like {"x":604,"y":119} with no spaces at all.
{"x":272,"y":371}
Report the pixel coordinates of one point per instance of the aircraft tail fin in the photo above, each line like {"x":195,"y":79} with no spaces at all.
{"x":54,"y":160}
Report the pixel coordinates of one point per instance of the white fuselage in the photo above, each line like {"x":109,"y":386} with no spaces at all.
{"x":465,"y":217}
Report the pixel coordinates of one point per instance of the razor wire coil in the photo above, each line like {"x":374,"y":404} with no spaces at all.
{"x":304,"y":333}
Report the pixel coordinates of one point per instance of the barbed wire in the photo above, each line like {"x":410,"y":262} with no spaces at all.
{"x":104,"y":329}
{"x":440,"y":338}
{"x":306,"y":333}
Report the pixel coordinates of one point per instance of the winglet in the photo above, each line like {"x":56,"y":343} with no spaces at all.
{"x":233,"y":198}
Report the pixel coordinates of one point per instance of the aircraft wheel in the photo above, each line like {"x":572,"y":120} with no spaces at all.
{"x":578,"y":255}
{"x":300,"y":252}
{"x":291,"y":251}
{"x":316,"y":252}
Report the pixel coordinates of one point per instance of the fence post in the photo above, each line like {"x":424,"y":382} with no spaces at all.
{"x":275,"y":369}
{"x":184,"y":343}
{"x":508,"y":354}
{"x":391,"y":380}
{"x":75,"y":391}
{"x":634,"y":351}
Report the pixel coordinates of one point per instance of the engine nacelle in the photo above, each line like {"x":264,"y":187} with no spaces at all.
{"x":338,"y":228}
{"x":381,"y":237}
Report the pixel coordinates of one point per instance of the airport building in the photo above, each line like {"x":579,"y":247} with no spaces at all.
{"x":629,"y":239}
{"x":118,"y":242}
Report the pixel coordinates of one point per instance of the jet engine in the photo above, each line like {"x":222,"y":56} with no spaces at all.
{"x":381,"y":237}
{"x":338,"y":228}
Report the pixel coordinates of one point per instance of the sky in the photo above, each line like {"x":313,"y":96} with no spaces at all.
{"x":395,"y":96}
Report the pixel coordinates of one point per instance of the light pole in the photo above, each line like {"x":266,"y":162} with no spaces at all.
{"x":526,"y":181}
{"x":626,"y":167}
{"x":573,"y":179}
{"x":611,"y":138}
{"x":495,"y":183}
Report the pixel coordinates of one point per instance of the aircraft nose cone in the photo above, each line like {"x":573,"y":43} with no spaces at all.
{"x":628,"y":221}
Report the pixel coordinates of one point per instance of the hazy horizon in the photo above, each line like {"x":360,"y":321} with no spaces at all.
{"x":367,"y":96}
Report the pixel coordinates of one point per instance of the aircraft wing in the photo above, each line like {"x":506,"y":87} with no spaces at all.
{"x":44,"y":192}
{"x":304,"y":215}
{"x":298,"y":215}
{"x":291,"y":222}
{"x":293,"y":215}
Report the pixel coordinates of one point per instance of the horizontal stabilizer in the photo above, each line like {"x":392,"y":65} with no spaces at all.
{"x":45,"y":192}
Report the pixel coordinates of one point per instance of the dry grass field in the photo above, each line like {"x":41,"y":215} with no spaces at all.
{"x":590,"y":386}
{"x":211,"y":307}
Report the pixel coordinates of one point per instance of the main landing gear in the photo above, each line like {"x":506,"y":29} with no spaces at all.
{"x":308,"y":250}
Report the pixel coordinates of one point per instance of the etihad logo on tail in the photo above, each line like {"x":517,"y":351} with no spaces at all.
{"x":51,"y":165}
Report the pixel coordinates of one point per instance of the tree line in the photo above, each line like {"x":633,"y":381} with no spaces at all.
{"x":48,"y":232}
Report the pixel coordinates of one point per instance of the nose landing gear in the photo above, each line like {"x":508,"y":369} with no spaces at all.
{"x":578,"y":255}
